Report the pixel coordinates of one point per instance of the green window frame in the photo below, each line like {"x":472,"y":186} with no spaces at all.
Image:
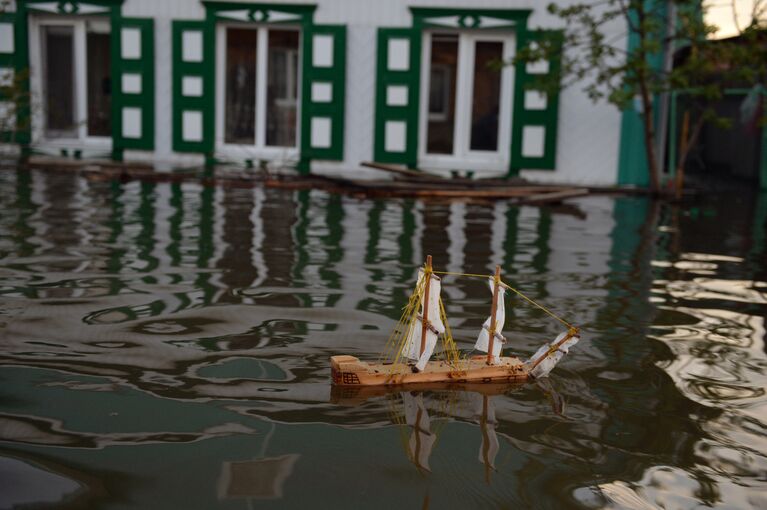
{"x":529,"y":120}
{"x":427,"y":18}
{"x":396,"y":122}
{"x":133,"y":85}
{"x":193,"y":114}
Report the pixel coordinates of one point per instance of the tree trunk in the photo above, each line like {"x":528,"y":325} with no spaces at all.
{"x":649,"y":137}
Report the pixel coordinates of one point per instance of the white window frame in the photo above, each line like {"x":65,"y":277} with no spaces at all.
{"x":259,"y":149}
{"x":463,"y":156}
{"x":39,"y":127}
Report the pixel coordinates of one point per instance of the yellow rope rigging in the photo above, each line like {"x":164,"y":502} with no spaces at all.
{"x":394,"y":351}
{"x":515,"y":291}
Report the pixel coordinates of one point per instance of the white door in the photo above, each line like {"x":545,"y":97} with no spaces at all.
{"x":466,"y":101}
{"x":258,"y":79}
{"x":71,"y":76}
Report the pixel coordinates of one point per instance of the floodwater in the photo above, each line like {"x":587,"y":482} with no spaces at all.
{"x":166,"y":346}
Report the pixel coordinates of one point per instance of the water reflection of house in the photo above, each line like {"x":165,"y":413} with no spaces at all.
{"x":321,"y":84}
{"x":255,"y":479}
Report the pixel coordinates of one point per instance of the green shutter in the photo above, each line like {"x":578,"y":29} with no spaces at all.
{"x":133,"y":86}
{"x":534,"y":126}
{"x":14,"y":73}
{"x":397,"y":96}
{"x":193,"y":83}
{"x":323,"y":92}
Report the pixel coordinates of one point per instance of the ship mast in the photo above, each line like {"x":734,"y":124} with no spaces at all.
{"x":496,"y":285}
{"x":425,"y":322}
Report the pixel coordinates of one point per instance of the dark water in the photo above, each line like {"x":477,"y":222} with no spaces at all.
{"x":167,"y":345}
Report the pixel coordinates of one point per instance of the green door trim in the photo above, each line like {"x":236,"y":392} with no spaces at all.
{"x":145,"y":100}
{"x":425,"y":18}
{"x":335,"y":76}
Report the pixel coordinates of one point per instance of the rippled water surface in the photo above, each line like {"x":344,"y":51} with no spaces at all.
{"x":167,"y":345}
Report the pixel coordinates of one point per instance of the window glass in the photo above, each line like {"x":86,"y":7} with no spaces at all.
{"x":442,"y":80}
{"x":240,"y":78}
{"x":282,"y":88}
{"x":58,"y":81}
{"x":99,"y":83}
{"x":487,"y":93}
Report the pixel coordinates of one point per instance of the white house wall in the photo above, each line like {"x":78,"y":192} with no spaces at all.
{"x":164,"y":12}
{"x":588,"y":135}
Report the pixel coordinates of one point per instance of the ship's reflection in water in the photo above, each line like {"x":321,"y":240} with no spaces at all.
{"x":474,"y":403}
{"x":167,"y":345}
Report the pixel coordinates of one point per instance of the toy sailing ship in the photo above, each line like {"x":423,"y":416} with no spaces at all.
{"x":411,"y":345}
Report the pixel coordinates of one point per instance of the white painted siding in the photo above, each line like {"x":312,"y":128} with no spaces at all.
{"x":163,"y":12}
{"x":588,"y":135}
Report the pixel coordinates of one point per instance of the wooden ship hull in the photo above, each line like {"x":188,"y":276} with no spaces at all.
{"x":350,"y":371}
{"x":354,"y":395}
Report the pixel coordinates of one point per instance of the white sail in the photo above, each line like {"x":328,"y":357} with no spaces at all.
{"x":500,"y":317}
{"x":484,"y":414}
{"x":413,"y":343}
{"x":551,"y":352}
{"x":422,"y":439}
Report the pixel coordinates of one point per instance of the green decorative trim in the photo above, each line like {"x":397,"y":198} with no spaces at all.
{"x":205,"y":70}
{"x":256,"y":12}
{"x":409,"y":113}
{"x":483,"y":19}
{"x":336,"y":76}
{"x":18,"y":92}
{"x":144,"y":100}
{"x":72,"y":7}
{"x":547,"y":118}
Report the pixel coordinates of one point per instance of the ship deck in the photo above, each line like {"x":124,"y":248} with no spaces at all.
{"x":350,"y":371}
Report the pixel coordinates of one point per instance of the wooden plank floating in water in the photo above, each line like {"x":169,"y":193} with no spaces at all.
{"x":410,"y":183}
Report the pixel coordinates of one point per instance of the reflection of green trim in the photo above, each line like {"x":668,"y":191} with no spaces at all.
{"x":763,"y":158}
{"x":23,"y":232}
{"x":541,"y":258}
{"x":374,"y":234}
{"x":145,"y":237}
{"x":205,"y":244}
{"x":336,"y":76}
{"x":759,"y":228}
{"x":406,"y":240}
{"x":334,"y":215}
{"x":300,"y":237}
{"x":510,"y":239}
{"x":175,"y":221}
{"x":145,"y":68}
